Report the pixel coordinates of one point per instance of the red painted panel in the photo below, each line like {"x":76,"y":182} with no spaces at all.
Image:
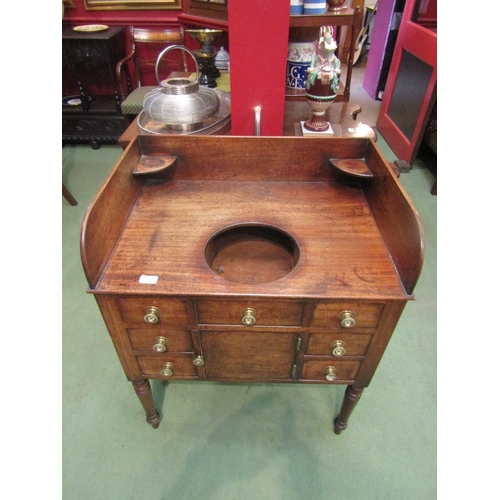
{"x":259,"y":45}
{"x":422,"y":43}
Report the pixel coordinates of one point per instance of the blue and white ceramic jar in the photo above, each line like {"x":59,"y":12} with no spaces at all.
{"x":296,"y":6}
{"x":299,"y":58}
{"x":312,"y":7}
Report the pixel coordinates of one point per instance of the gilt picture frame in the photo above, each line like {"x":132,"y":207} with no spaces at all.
{"x":132,"y":4}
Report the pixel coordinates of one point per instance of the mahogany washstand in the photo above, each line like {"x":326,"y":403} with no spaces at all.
{"x":244,"y":259}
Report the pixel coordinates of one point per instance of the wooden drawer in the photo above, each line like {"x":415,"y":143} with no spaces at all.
{"x":321,"y":344}
{"x":366,"y":314}
{"x":317,"y":370}
{"x":170,"y":311}
{"x":152,"y":366}
{"x":267,"y":313}
{"x":143,"y":339}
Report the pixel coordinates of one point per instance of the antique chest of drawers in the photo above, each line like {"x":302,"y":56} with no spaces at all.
{"x":278,"y":259}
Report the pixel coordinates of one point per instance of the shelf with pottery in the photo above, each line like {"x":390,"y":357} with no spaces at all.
{"x":344,"y":17}
{"x":351,"y":18}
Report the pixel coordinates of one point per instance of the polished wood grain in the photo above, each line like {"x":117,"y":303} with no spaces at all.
{"x":173,"y":249}
{"x":402,"y":230}
{"x":255,"y":356}
{"x":339,"y":246}
{"x":107,"y":215}
{"x":302,"y":182}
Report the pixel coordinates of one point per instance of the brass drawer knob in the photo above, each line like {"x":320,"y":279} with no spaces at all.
{"x":198,"y":360}
{"x":248,"y":318}
{"x":168,"y":369}
{"x":152,"y":314}
{"x":331,"y":373}
{"x":347,"y":319}
{"x":338,"y":348}
{"x":161,"y":344}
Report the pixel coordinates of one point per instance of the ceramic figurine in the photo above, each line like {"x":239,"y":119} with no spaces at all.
{"x":323,"y":80}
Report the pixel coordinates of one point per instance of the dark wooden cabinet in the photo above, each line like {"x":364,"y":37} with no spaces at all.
{"x":89,"y":60}
{"x":251,"y":259}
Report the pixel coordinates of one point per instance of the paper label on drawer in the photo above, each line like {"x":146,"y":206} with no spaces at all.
{"x":148,"y":280}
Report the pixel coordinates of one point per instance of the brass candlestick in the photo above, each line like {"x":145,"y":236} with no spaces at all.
{"x":206,"y":55}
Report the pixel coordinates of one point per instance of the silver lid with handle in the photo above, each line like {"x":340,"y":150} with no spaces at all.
{"x":180,"y":102}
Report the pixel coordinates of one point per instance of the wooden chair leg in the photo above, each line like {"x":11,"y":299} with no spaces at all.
{"x":434,"y":188}
{"x":68,"y":196}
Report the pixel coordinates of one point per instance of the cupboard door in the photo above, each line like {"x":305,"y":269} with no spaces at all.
{"x":411,"y":85}
{"x":246,"y":356}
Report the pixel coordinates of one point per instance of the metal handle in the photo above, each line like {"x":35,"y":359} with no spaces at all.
{"x":248,"y":317}
{"x":168,"y":369}
{"x":331,"y":373}
{"x":198,"y":361}
{"x":257,"y":111}
{"x":172,"y":47}
{"x":347,"y":319}
{"x":338,"y":348}
{"x":152,"y":314}
{"x":161,"y":344}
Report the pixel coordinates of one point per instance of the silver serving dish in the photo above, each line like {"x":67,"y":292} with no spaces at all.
{"x":208,"y":126}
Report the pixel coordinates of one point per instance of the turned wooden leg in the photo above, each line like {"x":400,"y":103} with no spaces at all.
{"x":143,"y":391}
{"x":350,"y":401}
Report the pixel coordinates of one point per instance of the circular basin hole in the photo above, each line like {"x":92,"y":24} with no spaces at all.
{"x":252,"y":253}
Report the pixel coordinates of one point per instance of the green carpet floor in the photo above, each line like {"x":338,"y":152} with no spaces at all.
{"x":248,"y":441}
